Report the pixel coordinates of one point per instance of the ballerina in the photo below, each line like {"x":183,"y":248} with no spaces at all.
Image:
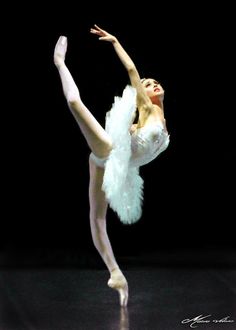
{"x":117,"y":151}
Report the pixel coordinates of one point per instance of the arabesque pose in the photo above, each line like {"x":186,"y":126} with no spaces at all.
{"x":117,"y":151}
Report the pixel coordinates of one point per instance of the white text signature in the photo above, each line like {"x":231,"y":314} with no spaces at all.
{"x":195,"y":321}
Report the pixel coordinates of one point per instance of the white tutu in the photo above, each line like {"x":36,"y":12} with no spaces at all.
{"x":122,"y":184}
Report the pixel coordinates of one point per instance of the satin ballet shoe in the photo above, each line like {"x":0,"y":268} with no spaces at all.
{"x":120,"y":285}
{"x":60,"y":50}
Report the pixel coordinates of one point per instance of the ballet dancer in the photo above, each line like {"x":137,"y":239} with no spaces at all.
{"x":135,"y":134}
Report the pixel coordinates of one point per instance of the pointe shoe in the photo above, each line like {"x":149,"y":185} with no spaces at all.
{"x":120,"y":284}
{"x":60,"y":51}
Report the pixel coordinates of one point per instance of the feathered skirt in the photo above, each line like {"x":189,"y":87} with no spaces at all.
{"x":122,"y":183}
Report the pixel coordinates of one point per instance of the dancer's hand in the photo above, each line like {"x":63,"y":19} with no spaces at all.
{"x":60,"y":51}
{"x":103,"y":35}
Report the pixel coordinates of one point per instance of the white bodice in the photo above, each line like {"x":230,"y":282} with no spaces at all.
{"x":147,"y":143}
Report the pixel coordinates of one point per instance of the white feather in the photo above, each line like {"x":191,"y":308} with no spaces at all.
{"x":122,"y":184}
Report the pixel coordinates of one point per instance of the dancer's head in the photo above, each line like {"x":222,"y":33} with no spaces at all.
{"x":153,"y":88}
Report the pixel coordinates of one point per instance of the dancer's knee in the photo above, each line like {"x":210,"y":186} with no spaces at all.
{"x":73,"y":101}
{"x":98,"y":222}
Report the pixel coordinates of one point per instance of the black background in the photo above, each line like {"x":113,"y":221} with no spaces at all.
{"x":189,"y":190}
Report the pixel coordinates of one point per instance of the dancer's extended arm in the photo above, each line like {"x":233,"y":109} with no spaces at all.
{"x":128,"y":63}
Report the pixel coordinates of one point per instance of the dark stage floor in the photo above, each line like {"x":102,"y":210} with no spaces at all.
{"x":161,"y":297}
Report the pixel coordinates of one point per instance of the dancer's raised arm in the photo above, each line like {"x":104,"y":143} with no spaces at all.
{"x":128,"y":63}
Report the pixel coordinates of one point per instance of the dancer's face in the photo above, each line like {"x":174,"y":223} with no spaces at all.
{"x":152,"y":87}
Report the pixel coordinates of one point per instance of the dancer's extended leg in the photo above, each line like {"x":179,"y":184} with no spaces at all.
{"x":98,"y":209}
{"x":95,"y":135}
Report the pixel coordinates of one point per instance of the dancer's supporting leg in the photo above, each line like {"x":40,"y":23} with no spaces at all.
{"x":95,"y":135}
{"x":98,"y":210}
